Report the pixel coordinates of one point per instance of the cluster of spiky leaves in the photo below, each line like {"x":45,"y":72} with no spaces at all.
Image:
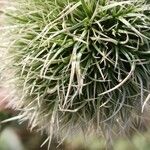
{"x":81,"y":62}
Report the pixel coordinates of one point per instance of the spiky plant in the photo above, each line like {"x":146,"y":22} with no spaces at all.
{"x":80,"y":63}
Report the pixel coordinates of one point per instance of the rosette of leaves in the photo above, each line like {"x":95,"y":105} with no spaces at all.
{"x":82,"y":63}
